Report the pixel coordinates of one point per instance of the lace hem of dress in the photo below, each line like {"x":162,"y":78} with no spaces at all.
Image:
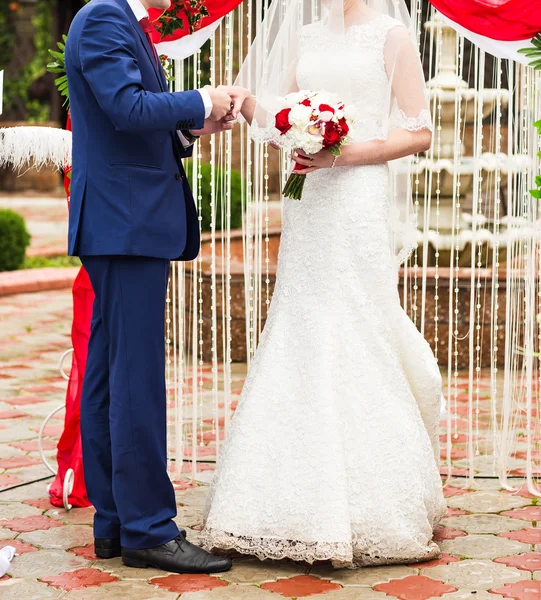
{"x":400,"y":120}
{"x":341,"y":554}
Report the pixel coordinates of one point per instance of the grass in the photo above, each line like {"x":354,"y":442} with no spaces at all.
{"x":40,"y":262}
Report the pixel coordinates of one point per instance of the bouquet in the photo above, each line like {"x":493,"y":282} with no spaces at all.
{"x":311,"y":121}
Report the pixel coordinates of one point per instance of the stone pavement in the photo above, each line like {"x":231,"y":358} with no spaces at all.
{"x":490,"y":538}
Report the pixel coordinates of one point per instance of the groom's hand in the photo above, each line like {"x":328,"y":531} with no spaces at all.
{"x":225,"y":124}
{"x":221,"y":102}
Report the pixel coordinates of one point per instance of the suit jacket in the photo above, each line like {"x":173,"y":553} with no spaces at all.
{"x":129,"y":192}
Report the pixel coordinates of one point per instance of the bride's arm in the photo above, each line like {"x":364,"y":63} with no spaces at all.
{"x":412,"y":135}
{"x":400,"y":143}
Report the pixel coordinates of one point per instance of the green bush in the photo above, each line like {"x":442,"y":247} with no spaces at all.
{"x":220,"y":180}
{"x":14,"y":239}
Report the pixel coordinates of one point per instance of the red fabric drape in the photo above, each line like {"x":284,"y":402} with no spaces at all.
{"x":69,"y":450}
{"x":503,"y":20}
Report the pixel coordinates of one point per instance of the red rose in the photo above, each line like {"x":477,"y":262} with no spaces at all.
{"x":332,"y":135}
{"x":306,"y":102}
{"x":345,"y":127}
{"x":282,"y":121}
{"x":326,"y":108}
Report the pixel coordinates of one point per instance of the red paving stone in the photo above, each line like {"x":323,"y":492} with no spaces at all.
{"x":82,"y":578}
{"x":528,"y":513}
{"x":454,"y":471}
{"x":43,"y":389}
{"x":20,"y":548}
{"x":522,"y":491}
{"x":455,"y":512}
{"x":50,"y":431}
{"x":33,"y":445}
{"x":527,"y":536}
{"x":201,"y":451}
{"x":17,"y":462}
{"x":522,"y":590}
{"x":444,"y":560}
{"x":442,"y":533}
{"x":456,"y":453}
{"x":456,"y":424}
{"x":449,"y":491}
{"x":530,"y":561}
{"x":26,"y":524}
{"x":43,"y":503}
{"x":464,"y":411}
{"x":188,"y":583}
{"x":301,"y":586}
{"x":209,"y":436}
{"x":536,"y":472}
{"x":184,"y":484}
{"x":7,"y":480}
{"x":12,"y":414}
{"x":85,"y":552}
{"x":23,"y":400}
{"x":36,"y":280}
{"x":187,"y":467}
{"x":415,"y":587}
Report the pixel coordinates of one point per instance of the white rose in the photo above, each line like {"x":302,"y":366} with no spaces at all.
{"x":300,"y":115}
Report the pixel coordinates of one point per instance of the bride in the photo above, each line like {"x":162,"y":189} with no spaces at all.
{"x":333,"y":450}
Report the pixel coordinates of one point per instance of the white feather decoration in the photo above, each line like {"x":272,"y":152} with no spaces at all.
{"x":25,"y":147}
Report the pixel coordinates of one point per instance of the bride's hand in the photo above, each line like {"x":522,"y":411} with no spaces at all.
{"x":312,"y":162}
{"x":238,"y":95}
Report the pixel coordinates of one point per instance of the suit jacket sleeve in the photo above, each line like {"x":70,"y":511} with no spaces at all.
{"x":108,"y":59}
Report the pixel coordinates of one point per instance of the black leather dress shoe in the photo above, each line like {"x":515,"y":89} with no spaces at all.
{"x":178,"y":556}
{"x":107,"y":547}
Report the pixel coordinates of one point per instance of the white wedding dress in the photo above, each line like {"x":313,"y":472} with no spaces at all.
{"x":333,"y":450}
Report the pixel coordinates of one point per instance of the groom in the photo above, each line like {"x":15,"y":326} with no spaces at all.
{"x":132,"y":212}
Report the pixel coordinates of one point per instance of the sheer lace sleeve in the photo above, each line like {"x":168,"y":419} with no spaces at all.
{"x":409,"y":109}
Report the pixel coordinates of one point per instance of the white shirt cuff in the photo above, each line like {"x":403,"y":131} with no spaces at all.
{"x":205,"y":96}
{"x":185,"y":143}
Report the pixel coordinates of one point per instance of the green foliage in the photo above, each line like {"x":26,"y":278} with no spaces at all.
{"x":17,"y":90}
{"x":172,"y":19}
{"x":534,"y":52}
{"x":7,"y":32}
{"x":14,"y":239}
{"x":219,"y":186}
{"x":58,"y":67}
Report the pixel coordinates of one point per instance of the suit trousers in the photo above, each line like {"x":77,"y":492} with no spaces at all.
{"x":123,"y":405}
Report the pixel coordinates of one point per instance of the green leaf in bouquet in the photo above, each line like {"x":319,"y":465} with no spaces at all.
{"x":335,"y":150}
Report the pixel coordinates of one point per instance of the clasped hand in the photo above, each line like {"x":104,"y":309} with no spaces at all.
{"x":227,"y":102}
{"x":312,"y":162}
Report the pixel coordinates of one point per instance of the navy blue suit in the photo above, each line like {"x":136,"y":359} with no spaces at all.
{"x":131,"y":212}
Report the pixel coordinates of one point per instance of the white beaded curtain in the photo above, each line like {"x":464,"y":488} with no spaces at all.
{"x":472,"y":286}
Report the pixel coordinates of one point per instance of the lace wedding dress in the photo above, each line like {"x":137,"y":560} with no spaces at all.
{"x":333,"y":451}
